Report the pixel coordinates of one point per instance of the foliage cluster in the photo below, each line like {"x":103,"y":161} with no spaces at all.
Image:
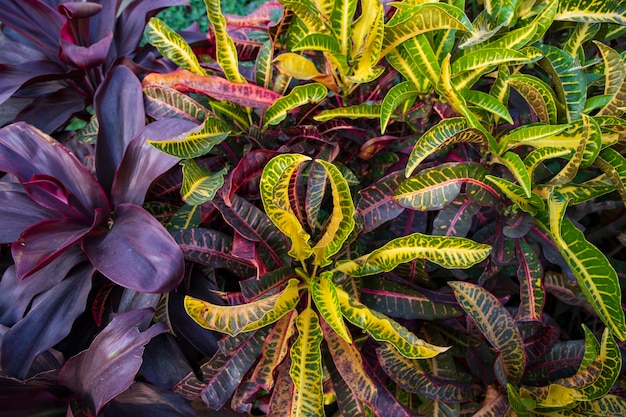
{"x":326,"y":207}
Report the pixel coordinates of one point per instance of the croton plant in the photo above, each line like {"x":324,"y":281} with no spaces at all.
{"x":325,"y":207}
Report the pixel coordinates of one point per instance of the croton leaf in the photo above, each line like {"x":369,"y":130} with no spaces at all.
{"x":384,"y":329}
{"x":614,"y":165}
{"x":324,"y":294}
{"x":615,"y":77}
{"x":300,"y":68}
{"x":196,"y":143}
{"x":376,"y":205}
{"x":447,"y":251}
{"x":530,"y":275}
{"x":517,"y":195}
{"x":496,"y":324}
{"x":538,"y":94}
{"x":306,"y":366}
{"x":199,"y":184}
{"x":536,"y":135}
{"x":172,"y":46}
{"x":397,"y":95}
{"x":263,"y":65}
{"x":300,"y":95}
{"x":594,"y":12}
{"x":233,"y":320}
{"x":109,"y":366}
{"x":357,"y":111}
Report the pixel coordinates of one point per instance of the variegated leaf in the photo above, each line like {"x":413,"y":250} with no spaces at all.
{"x":397,"y":95}
{"x":233,"y":112}
{"x":383,"y":329}
{"x":308,"y":15}
{"x":300,"y":95}
{"x":595,"y":11}
{"x":225,"y":47}
{"x":614,"y":81}
{"x":530,"y":276}
{"x":536,"y":156}
{"x":300,"y":68}
{"x":341,"y":221}
{"x":166,"y":102}
{"x":172,"y":46}
{"x":324,"y":294}
{"x":496,"y":324}
{"x":516,"y":166}
{"x":306,"y":366}
{"x":275,"y":183}
{"x":263,"y":65}
{"x":487,"y":57}
{"x":536,"y":135}
{"x":341,"y":23}
{"x":446,"y":251}
{"x":406,"y":64}
{"x":489,"y":103}
{"x":357,"y":111}
{"x":538,"y":94}
{"x":233,"y":320}
{"x":200,"y":142}
{"x":517,"y":195}
{"x":614,"y":166}
{"x":607,"y":406}
{"x":199,"y":184}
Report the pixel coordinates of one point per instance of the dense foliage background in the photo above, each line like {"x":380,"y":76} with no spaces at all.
{"x":306,"y":208}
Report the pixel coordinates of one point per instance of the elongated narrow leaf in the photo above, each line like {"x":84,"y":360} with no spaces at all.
{"x":263,"y":65}
{"x":420,"y":50}
{"x":199,"y":184}
{"x":200,"y":142}
{"x":318,"y":42}
{"x":341,"y":22}
{"x":172,"y":46}
{"x":538,"y":94}
{"x":517,"y":195}
{"x":307,"y":14}
{"x":530,"y":276}
{"x":366,"y":47}
{"x":397,"y":95}
{"x":324,"y":295}
{"x":446,"y":251}
{"x":610,"y":356}
{"x":447,"y":131}
{"x":435,"y":188}
{"x":376,"y":205}
{"x":232,"y":111}
{"x":279,"y":211}
{"x":225,"y":47}
{"x":166,"y":102}
{"x":489,"y":103}
{"x":534,"y":135}
{"x":306,"y":366}
{"x":357,"y":111}
{"x":300,"y":95}
{"x":233,"y":320}
{"x":595,"y":275}
{"x":496,"y":324}
{"x":301,"y":68}
{"x":614,"y":165}
{"x":245,"y":94}
{"x":534,"y":158}
{"x":612,"y":11}
{"x":424,"y":18}
{"x":341,"y":222}
{"x":383,"y":329}
{"x":486,"y":57}
{"x":516,"y":166}
{"x":614,"y":81}
{"x":607,"y":406}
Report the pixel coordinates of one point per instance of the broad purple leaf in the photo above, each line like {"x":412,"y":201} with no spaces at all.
{"x":164,"y":363}
{"x":14,"y":76}
{"x":118,"y":104}
{"x":32,"y":403}
{"x":86,"y":57}
{"x":137,"y":253}
{"x":142,"y":163}
{"x":48,"y":192}
{"x":143,"y":400}
{"x":16,"y":295}
{"x":47,"y":323}
{"x":43,"y":242}
{"x":376,"y":205}
{"x":103,"y":22}
{"x":19,"y":53}
{"x":109,"y":366}
{"x":26,"y":151}
{"x":52,"y":110}
{"x":35,"y":20}
{"x":17,"y":212}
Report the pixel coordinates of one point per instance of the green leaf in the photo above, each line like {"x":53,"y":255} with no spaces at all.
{"x":536,"y":135}
{"x":434,"y":188}
{"x":446,"y":132}
{"x":419,"y":50}
{"x":487,"y":58}
{"x":536,"y":156}
{"x":172,"y":46}
{"x":397,"y":95}
{"x":595,"y":275}
{"x":405,"y":59}
{"x":318,"y":42}
{"x":424,"y":18}
{"x":384,"y":329}
{"x":516,"y":166}
{"x":300,"y":95}
{"x":496,"y":324}
{"x":188,"y":216}
{"x":341,"y":23}
{"x":537,"y":94}
{"x":517,"y":195}
{"x":306,"y":366}
{"x":607,"y":406}
{"x":274,"y":186}
{"x":233,"y":320}
{"x":614,"y":81}
{"x":446,"y":251}
{"x":200,"y":185}
{"x":324,"y":294}
{"x":595,"y":11}
{"x":341,"y":220}
{"x":611,"y":359}
{"x":489,"y":103}
{"x":233,"y":112}
{"x":200,"y":142}
{"x":263,"y":65}
{"x":307,"y":14}
{"x":166,"y":102}
{"x":224,"y":45}
{"x":614,"y":166}
{"x":579,"y":193}
{"x":530,"y":276}
{"x":357,"y":111}
{"x":582,"y":33}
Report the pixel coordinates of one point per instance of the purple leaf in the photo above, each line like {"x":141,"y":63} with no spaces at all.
{"x":14,"y":76}
{"x":17,"y":212}
{"x":47,"y":323}
{"x":48,"y":192}
{"x":118,"y":104}
{"x":51,"y":111}
{"x":43,"y":242}
{"x":16,"y":295}
{"x":86,"y":57}
{"x":26,"y":151}
{"x":142,"y":163}
{"x":143,"y":400}
{"x":137,"y":253}
{"x":109,"y":366}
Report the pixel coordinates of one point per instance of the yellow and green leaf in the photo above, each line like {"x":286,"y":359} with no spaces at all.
{"x":536,"y":135}
{"x":489,"y":103}
{"x":300,"y":68}
{"x":168,"y":103}
{"x":318,"y":42}
{"x":199,"y":184}
{"x":614,"y":80}
{"x":530,"y":276}
{"x":324,"y":294}
{"x":397,"y":95}
{"x":446,"y":251}
{"x":274,"y":183}
{"x":383,"y":329}
{"x":536,"y":156}
{"x":357,"y":111}
{"x":172,"y":46}
{"x":224,"y":45}
{"x":341,"y":23}
{"x":306,"y":366}
{"x":300,"y":95}
{"x":341,"y":221}
{"x":233,"y":320}
{"x":197,"y":143}
{"x":516,"y":166}
{"x":407,"y":64}
{"x":517,"y":195}
{"x":537,"y":94}
{"x":614,"y":166}
{"x":595,"y":11}
{"x":496,"y":324}
{"x":263,"y":65}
